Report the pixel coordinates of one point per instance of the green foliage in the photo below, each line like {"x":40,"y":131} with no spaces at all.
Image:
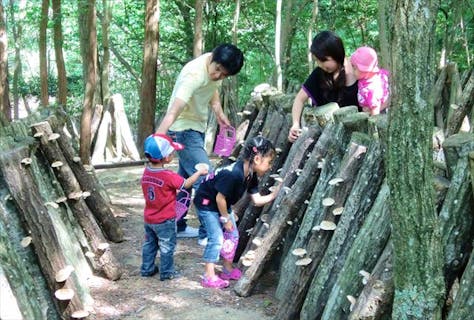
{"x":354,"y":21}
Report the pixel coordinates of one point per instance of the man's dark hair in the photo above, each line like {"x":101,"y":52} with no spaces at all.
{"x":229,"y":56}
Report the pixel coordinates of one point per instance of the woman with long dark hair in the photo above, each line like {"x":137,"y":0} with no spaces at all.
{"x":332,"y":80}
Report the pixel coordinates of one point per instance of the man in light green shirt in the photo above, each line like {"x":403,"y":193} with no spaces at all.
{"x":185,"y":121}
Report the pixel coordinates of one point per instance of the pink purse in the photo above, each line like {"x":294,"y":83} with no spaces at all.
{"x":182,"y":205}
{"x":229,"y":246}
{"x":225,"y":141}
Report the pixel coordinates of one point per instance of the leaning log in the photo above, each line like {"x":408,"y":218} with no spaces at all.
{"x":463,"y":303}
{"x":96,"y":201}
{"x":330,"y":148}
{"x":47,"y":245}
{"x":102,"y":252}
{"x":457,"y":146}
{"x":293,"y":161}
{"x":457,"y":222}
{"x":321,"y":115}
{"x":376,"y":299}
{"x":284,"y":210}
{"x":356,"y":208}
{"x":361,"y":259}
{"x":460,"y":102}
{"x":27,"y":286}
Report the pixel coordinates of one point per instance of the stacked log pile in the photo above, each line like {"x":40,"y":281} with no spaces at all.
{"x":52,"y":238}
{"x":329,"y":227}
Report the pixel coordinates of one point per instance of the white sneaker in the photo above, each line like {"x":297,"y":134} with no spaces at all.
{"x":189,"y":232}
{"x":202,"y":242}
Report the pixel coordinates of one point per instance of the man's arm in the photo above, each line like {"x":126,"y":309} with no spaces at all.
{"x":176,"y":108}
{"x":217,"y":108}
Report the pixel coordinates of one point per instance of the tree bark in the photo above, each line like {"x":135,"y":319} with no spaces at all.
{"x":198,"y":36}
{"x":58,"y":49}
{"x":5,"y":112}
{"x":44,"y":96}
{"x":415,"y":233}
{"x":107,"y":6}
{"x":146,"y":122}
{"x":87,"y":20}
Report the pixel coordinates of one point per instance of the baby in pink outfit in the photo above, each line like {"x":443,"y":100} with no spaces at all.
{"x":373,"y":87}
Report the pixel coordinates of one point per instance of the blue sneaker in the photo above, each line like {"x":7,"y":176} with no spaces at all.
{"x":189,"y":232}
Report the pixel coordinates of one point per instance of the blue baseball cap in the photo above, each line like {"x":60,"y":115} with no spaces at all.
{"x":158,"y":146}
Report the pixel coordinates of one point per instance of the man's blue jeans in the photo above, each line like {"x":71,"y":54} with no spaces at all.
{"x":159,"y":236}
{"x":192,"y":154}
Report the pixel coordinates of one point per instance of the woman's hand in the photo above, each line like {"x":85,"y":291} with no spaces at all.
{"x":295,"y":132}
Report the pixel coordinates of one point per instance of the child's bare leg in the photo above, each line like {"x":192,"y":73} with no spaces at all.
{"x":227,"y":265}
{"x":209,"y":270}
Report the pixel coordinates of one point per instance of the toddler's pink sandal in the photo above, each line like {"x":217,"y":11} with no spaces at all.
{"x":235,"y":274}
{"x":214,"y":282}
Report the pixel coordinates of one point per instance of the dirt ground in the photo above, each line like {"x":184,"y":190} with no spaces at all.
{"x":134,"y":297}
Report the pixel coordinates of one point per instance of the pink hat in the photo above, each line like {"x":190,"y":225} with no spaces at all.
{"x":365,"y":59}
{"x":158,"y":146}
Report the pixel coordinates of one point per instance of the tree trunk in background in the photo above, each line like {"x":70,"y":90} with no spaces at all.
{"x":418,"y":278}
{"x":107,"y":5}
{"x":87,"y":29}
{"x":43,"y":53}
{"x":186,"y":23}
{"x":233,"y":94}
{"x":312,"y":23}
{"x":58,"y":51}
{"x":148,"y":88}
{"x":198,"y":37}
{"x":278,"y":36}
{"x":384,"y":20}
{"x":17,"y":31}
{"x":4,"y":99}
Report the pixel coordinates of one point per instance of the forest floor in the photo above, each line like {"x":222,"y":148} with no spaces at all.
{"x":135,"y":297}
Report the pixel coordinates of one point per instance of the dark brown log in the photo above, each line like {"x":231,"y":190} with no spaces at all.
{"x":363,"y":255}
{"x":375,"y":301}
{"x":121,"y":164}
{"x":98,"y":201}
{"x":47,"y":245}
{"x":50,"y":148}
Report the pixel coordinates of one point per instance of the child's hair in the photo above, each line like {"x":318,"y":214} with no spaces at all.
{"x":258,"y":145}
